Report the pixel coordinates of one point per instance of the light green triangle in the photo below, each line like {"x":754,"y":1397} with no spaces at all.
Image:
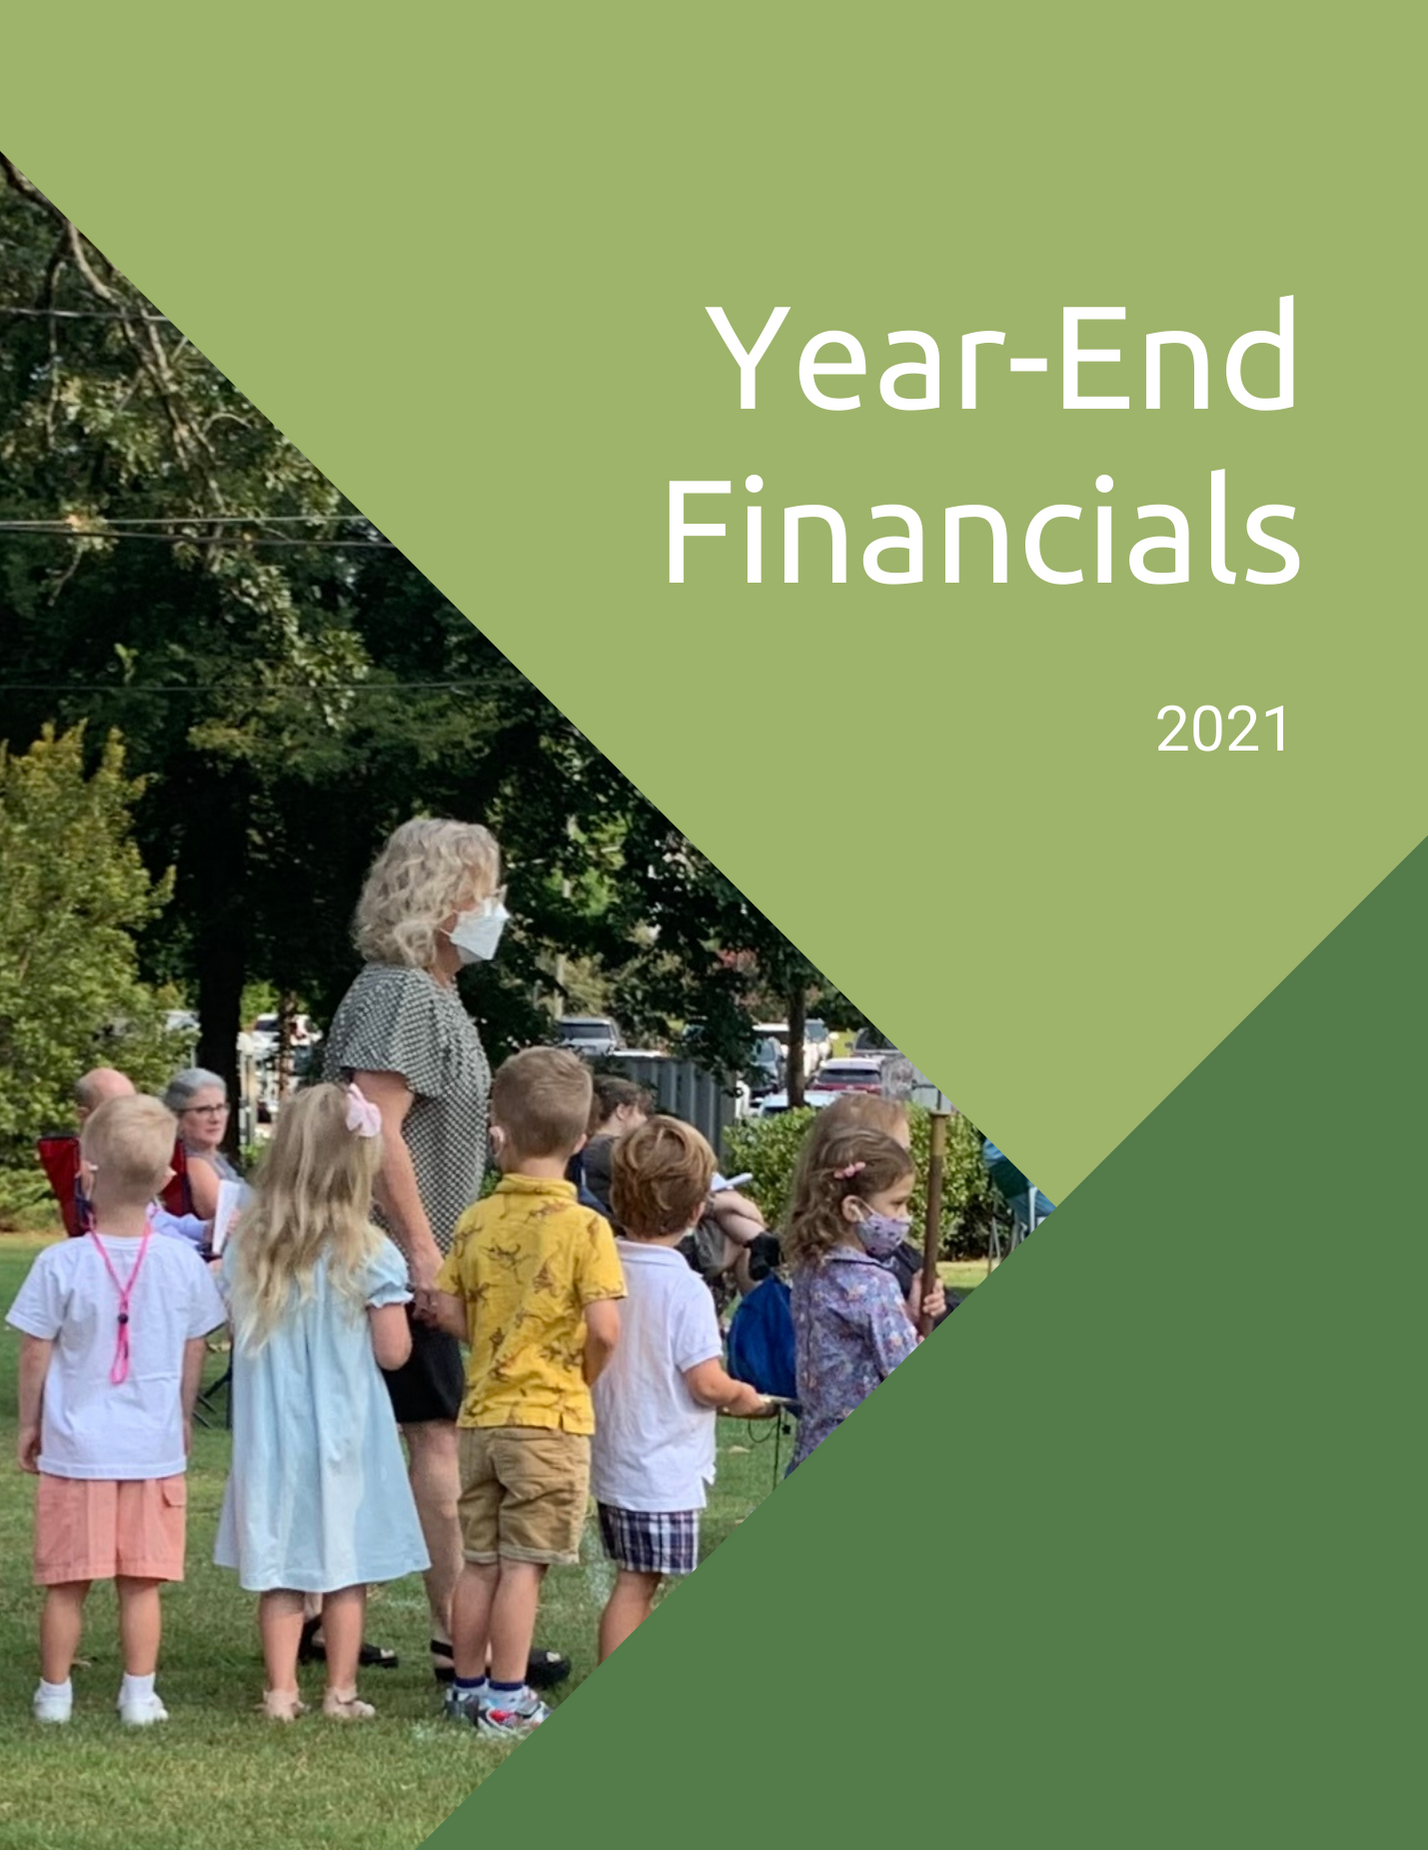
{"x":464,"y":263}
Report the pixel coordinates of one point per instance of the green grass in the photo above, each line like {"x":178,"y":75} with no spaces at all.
{"x":217,"y":1774}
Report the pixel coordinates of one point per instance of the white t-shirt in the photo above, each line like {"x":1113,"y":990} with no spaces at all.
{"x":654,"y":1443}
{"x":89,"y":1427}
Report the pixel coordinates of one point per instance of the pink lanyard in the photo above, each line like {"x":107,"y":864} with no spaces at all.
{"x":119,"y":1371}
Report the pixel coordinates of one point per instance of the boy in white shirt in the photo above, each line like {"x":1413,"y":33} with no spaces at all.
{"x":114,"y":1324}
{"x":657,"y":1402}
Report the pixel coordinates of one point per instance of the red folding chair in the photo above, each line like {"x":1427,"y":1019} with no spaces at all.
{"x":59,"y":1159}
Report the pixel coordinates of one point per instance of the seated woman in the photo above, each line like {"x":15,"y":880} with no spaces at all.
{"x":199,"y":1101}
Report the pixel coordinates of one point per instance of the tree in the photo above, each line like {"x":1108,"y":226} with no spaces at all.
{"x":719,"y":960}
{"x":73,"y":892}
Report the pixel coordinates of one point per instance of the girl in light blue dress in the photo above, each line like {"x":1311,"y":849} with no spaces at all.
{"x":317,"y":1500}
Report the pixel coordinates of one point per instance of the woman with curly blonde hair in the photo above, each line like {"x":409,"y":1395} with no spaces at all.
{"x":432,"y":902}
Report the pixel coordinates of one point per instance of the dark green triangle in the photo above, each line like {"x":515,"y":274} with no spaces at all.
{"x":1131,"y":1553}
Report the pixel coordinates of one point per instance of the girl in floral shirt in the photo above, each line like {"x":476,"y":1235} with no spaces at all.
{"x":851,"y":1324}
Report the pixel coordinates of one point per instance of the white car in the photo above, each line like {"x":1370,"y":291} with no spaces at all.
{"x":773,"y":1103}
{"x":815,"y":1042}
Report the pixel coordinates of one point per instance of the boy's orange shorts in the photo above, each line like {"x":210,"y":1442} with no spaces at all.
{"x":92,"y":1529}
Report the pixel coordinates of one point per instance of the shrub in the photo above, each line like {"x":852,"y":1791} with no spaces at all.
{"x":768,"y":1147}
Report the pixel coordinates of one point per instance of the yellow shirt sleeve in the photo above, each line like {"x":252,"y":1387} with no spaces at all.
{"x":600,"y":1274}
{"x":449,"y":1278}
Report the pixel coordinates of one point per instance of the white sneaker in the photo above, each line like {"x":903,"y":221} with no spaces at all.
{"x":139,"y":1712}
{"x":53,"y":1709}
{"x":511,"y":1724}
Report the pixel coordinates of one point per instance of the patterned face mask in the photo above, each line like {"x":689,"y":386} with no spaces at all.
{"x":882,"y":1235}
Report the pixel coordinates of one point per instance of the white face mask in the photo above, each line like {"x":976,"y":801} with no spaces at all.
{"x":476,"y":934}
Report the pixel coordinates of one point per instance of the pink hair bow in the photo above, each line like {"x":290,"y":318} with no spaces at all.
{"x":843,"y":1176}
{"x":362,"y":1116}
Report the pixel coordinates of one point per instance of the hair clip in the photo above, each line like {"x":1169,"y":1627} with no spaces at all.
{"x":843,"y":1176}
{"x":362,"y":1116}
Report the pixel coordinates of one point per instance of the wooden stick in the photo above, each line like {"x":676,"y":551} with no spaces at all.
{"x":932,"y":1235}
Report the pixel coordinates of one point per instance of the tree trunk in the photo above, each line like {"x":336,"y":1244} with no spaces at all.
{"x":797,"y":1027}
{"x":212,"y":878}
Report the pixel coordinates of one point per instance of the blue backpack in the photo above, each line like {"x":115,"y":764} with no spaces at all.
{"x":761,"y":1346}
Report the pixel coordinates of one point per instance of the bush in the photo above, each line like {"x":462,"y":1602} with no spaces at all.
{"x":768,"y":1147}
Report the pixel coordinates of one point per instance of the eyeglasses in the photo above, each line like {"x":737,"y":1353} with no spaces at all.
{"x":214,"y":1110}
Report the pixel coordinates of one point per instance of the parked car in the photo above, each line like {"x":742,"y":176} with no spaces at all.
{"x":850,"y":1075}
{"x":766,"y":1068}
{"x":873,"y":1044}
{"x":594,"y":1036}
{"x":815,"y":1046}
{"x":773,"y":1103}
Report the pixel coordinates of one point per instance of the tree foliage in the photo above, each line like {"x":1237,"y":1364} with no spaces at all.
{"x":75,"y":891}
{"x":289,"y":688}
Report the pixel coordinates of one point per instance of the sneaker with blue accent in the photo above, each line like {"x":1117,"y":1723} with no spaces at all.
{"x":511,"y":1723}
{"x":462,"y":1705}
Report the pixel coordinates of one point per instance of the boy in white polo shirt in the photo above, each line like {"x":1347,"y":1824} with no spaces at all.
{"x":658,"y":1400}
{"x":114,"y":1324}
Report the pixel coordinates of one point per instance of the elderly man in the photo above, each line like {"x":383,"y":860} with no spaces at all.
{"x":99,"y":1084}
{"x":60,"y":1158}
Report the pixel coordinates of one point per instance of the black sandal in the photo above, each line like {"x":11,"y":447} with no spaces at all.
{"x":311,"y":1649}
{"x":546,"y":1669}
{"x":444,"y":1673}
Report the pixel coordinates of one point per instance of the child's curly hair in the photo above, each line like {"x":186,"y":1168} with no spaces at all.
{"x":848,"y":1112}
{"x":859,"y":1162}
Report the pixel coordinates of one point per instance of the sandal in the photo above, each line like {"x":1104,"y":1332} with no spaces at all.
{"x":312,"y":1650}
{"x":546,"y":1669}
{"x":346,"y":1706}
{"x":283,"y":1705}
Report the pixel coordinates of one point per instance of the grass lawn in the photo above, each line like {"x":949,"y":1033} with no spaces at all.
{"x":217,"y":1773}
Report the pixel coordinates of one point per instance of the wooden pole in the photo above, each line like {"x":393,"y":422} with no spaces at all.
{"x":932,"y":1235}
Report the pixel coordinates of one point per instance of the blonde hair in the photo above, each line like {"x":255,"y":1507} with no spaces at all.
{"x":540,"y":1100}
{"x":857,"y":1162}
{"x":312,"y":1200}
{"x":846,"y":1113}
{"x":130,"y":1143}
{"x":659,"y":1178}
{"x":427,"y":869}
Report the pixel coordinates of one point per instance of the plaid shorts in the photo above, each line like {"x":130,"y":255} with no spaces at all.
{"x":651,"y":1542}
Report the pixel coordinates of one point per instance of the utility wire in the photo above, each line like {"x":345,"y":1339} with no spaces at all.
{"x":59,"y":314}
{"x":197,"y":688}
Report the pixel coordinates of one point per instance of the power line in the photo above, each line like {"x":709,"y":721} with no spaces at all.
{"x":59,"y":314}
{"x":199,"y":688}
{"x":63,"y":525}
{"x":190,"y":539}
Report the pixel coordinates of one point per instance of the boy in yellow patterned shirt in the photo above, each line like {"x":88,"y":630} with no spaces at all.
{"x":531,"y":1284}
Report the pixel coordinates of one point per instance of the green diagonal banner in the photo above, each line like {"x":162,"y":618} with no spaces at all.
{"x":1126,"y":1554}
{"x":465,"y":262}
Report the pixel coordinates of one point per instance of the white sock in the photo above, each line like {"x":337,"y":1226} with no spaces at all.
{"x":504,"y":1697}
{"x":52,"y":1692}
{"x":136,"y":1689}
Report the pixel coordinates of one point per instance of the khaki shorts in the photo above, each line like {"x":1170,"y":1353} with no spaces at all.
{"x":524,"y":1492}
{"x":92,"y":1529}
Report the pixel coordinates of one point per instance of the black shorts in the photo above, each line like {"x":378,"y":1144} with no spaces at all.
{"x":430,"y":1383}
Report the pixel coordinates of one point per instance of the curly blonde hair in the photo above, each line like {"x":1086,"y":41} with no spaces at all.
{"x":312,"y":1200}
{"x":859,"y":1162}
{"x":429,"y":868}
